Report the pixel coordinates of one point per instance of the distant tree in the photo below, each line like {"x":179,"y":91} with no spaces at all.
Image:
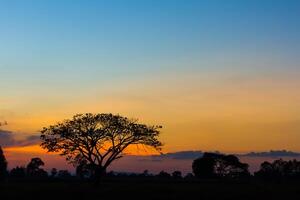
{"x":34,"y":165}
{"x":122,"y":174}
{"x":163,"y":174}
{"x":145,"y":173}
{"x":33,"y":168}
{"x":82,"y":169}
{"x":18,"y":172}
{"x":177,"y":174}
{"x":64,"y":174}
{"x":292,"y":169}
{"x":3,"y":165}
{"x":99,"y":139}
{"x":213,"y":165}
{"x":53,"y":172}
{"x":111,"y":174}
{"x":3,"y":162}
{"x":189,"y":176}
{"x":204,"y":167}
{"x":279,"y":170}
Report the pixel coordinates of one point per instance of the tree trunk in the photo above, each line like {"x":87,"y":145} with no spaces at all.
{"x":99,"y":173}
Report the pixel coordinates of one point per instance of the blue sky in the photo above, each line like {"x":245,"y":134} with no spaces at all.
{"x":140,"y":37}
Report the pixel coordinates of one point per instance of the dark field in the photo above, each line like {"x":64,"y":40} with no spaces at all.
{"x":120,"y":188}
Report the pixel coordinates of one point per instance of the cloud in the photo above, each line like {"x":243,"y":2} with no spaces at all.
{"x":191,"y":155}
{"x":180,"y":155}
{"x":8,"y":139}
{"x":30,"y":140}
{"x":272,"y":153}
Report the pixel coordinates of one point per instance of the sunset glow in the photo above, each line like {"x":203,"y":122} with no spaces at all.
{"x":219,"y":77}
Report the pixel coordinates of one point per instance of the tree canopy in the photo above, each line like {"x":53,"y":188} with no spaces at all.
{"x":3,"y":165}
{"x":34,"y":169}
{"x":279,"y":169}
{"x":214,"y":165}
{"x":98,"y":139}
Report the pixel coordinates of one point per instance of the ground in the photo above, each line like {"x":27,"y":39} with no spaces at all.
{"x":131,"y":188}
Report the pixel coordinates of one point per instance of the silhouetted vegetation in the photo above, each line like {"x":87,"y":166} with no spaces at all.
{"x":177,"y":174}
{"x":83,"y":170}
{"x":279,"y":170}
{"x":164,"y":175}
{"x":53,"y":172}
{"x":33,"y":169}
{"x":93,"y":142}
{"x":64,"y":174}
{"x":213,"y":165}
{"x":223,"y":183}
{"x":97,"y":140}
{"x":3,"y":162}
{"x":18,"y":172}
{"x":3,"y":165}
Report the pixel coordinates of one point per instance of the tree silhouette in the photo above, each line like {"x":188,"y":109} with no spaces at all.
{"x":177,"y":174}
{"x":213,"y":165}
{"x":189,"y":176}
{"x":82,"y":169}
{"x":164,"y":175}
{"x":53,"y":172}
{"x":33,"y":168}
{"x":279,"y":170}
{"x":98,"y":139}
{"x":64,"y":174}
{"x":204,"y":167}
{"x":18,"y":172}
{"x":3,"y":165}
{"x":145,"y":173}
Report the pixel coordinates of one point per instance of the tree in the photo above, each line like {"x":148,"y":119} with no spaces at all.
{"x":53,"y":172}
{"x":3,"y":165}
{"x":82,"y":170}
{"x":164,"y":175}
{"x":189,"y":176}
{"x":213,"y":165}
{"x":278,"y":170}
{"x":145,"y":173}
{"x":98,"y":139}
{"x":64,"y":174}
{"x":204,"y":167}
{"x":177,"y":174}
{"x":18,"y":172}
{"x":33,"y":168}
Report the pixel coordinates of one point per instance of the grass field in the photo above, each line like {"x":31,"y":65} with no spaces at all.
{"x":148,"y":189}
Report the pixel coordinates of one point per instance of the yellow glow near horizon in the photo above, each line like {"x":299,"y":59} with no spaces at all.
{"x":196,"y":113}
{"x":26,"y":149}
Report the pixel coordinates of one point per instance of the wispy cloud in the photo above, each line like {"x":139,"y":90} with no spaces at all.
{"x":180,"y":155}
{"x":272,"y":153}
{"x":8,"y":139}
{"x":191,"y":155}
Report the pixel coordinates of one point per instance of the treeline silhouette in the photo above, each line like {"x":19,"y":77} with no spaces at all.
{"x":211,"y":166}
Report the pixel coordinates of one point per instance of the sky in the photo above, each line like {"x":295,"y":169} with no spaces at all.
{"x":217,"y":75}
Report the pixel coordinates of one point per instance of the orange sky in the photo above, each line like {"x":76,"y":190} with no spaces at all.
{"x":217,"y":76}
{"x":231,"y":114}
